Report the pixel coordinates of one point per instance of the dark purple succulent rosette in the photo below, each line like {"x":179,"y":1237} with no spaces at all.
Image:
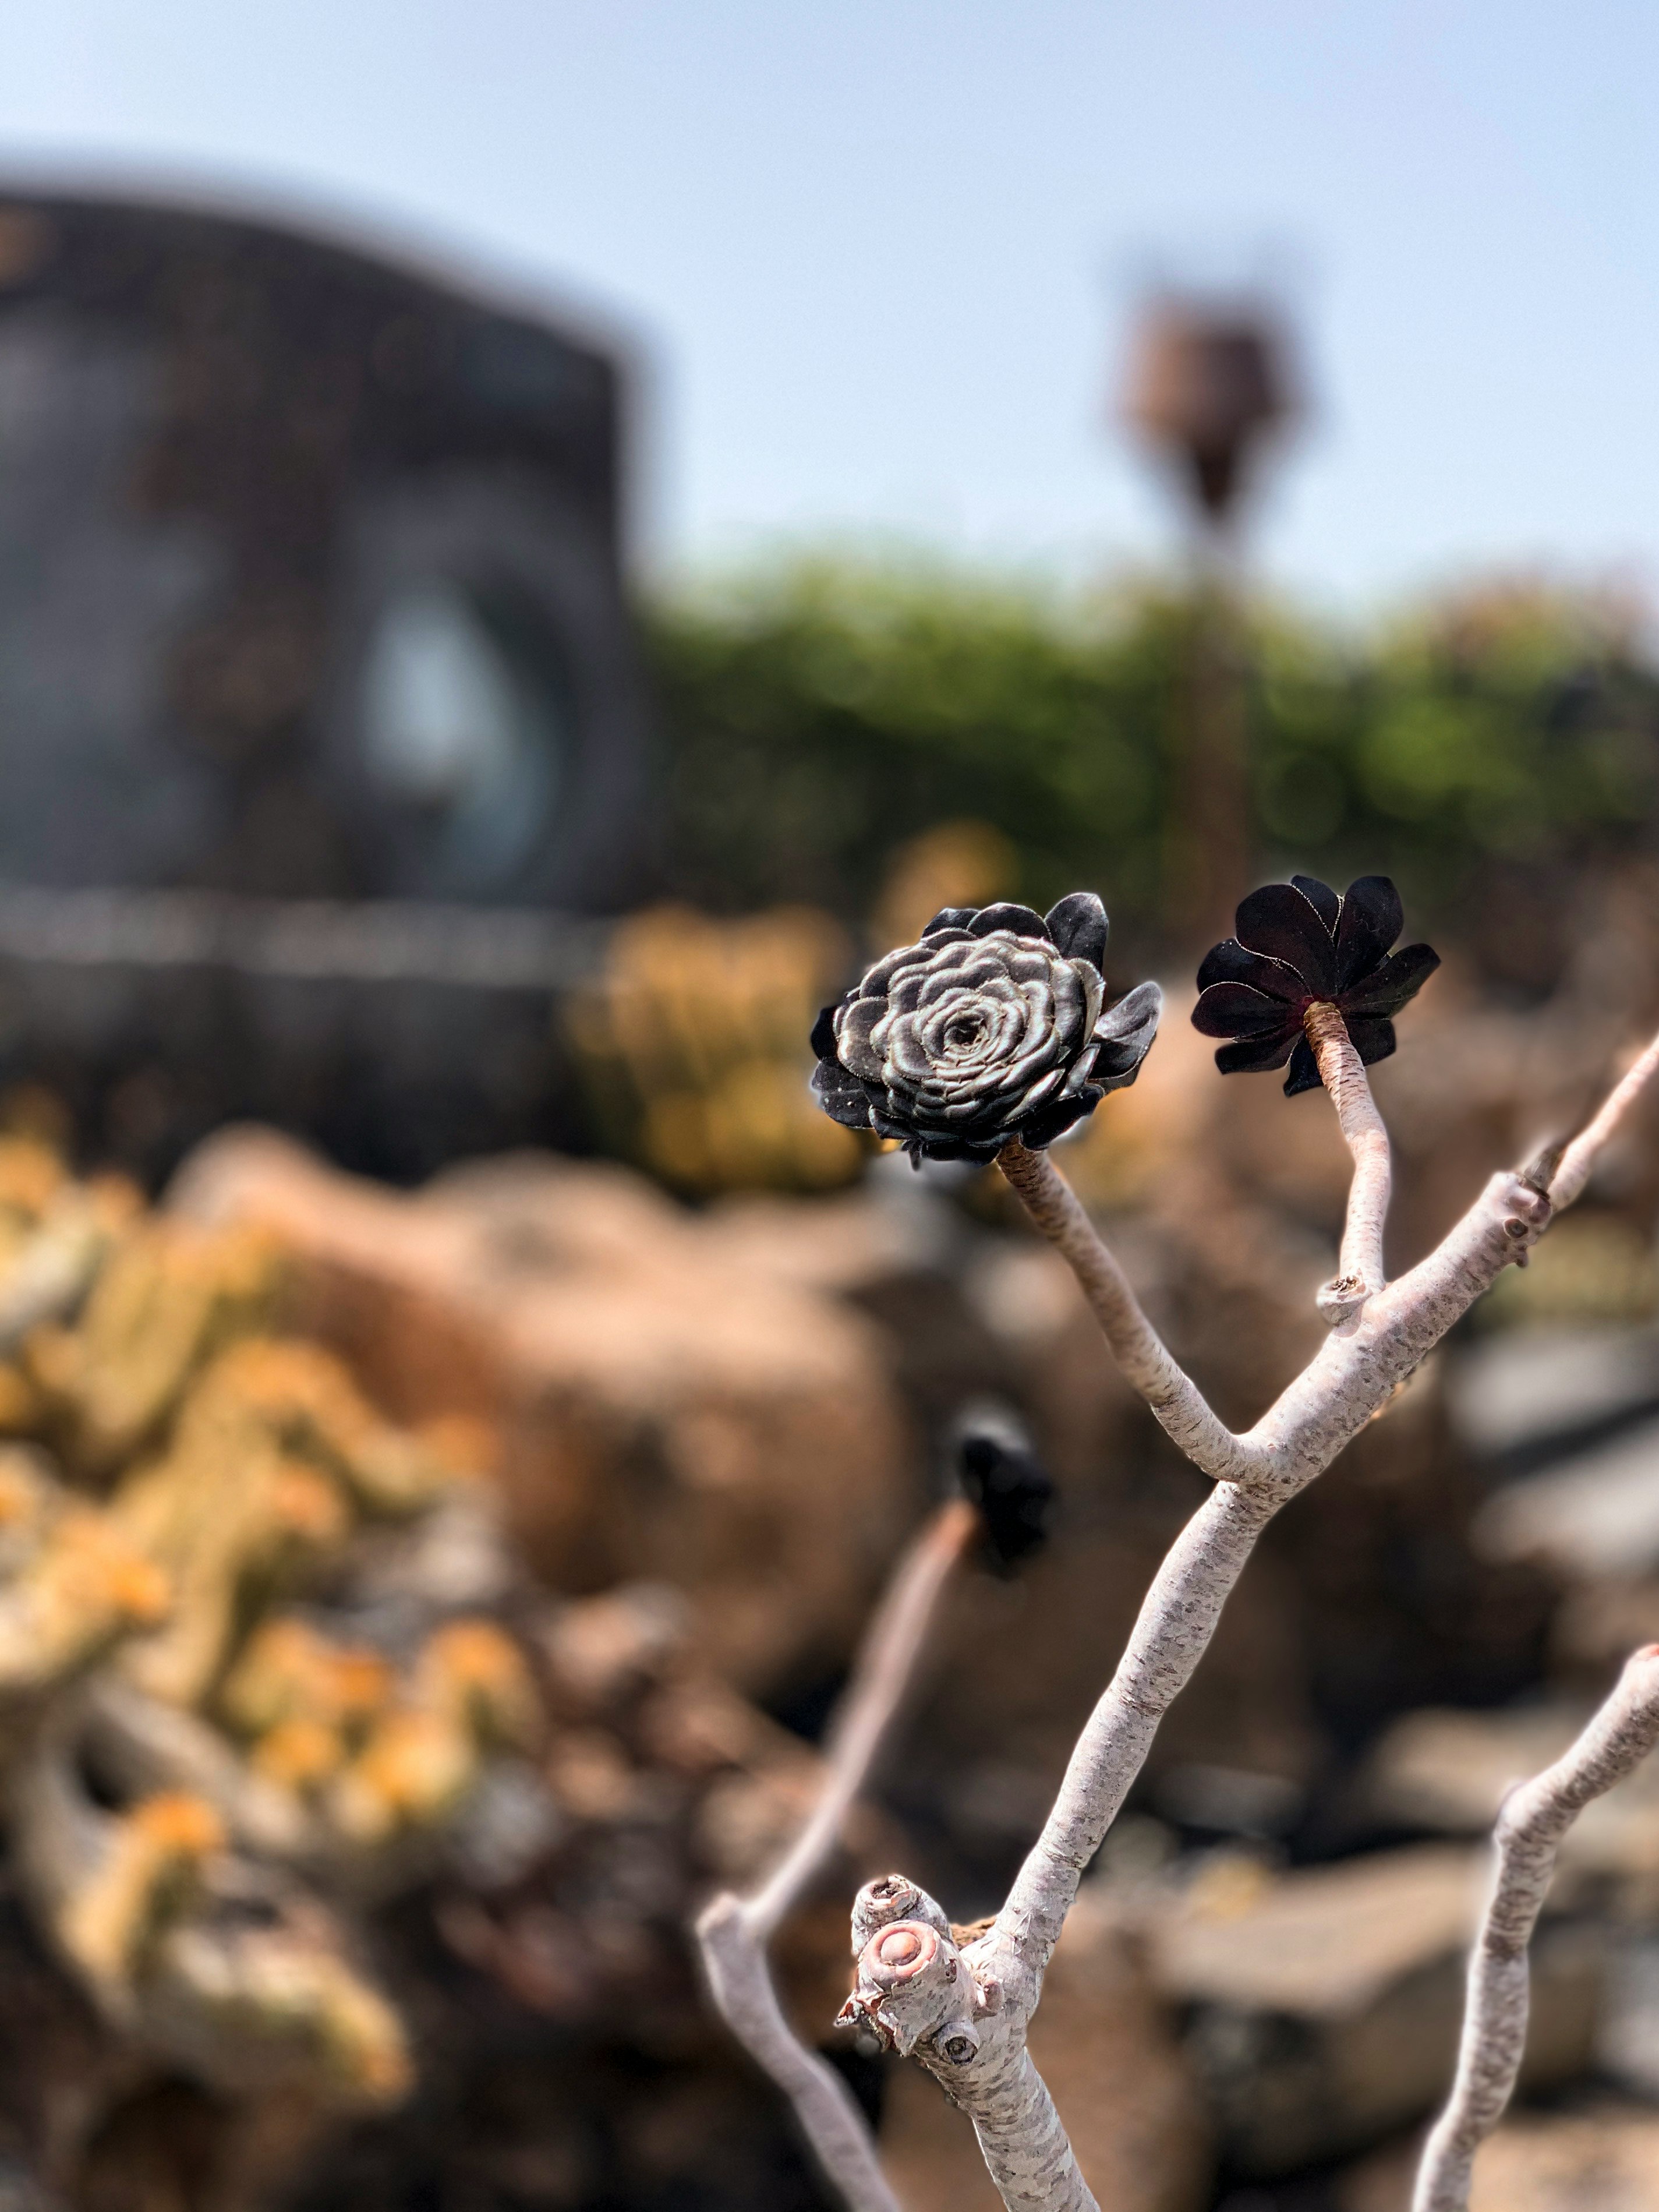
{"x":1299,"y":943}
{"x":994,"y":1026}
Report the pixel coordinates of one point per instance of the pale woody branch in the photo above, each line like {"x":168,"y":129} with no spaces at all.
{"x":881,"y":1676}
{"x":735,"y":1965}
{"x":1534,"y":1817}
{"x":732,"y":1932}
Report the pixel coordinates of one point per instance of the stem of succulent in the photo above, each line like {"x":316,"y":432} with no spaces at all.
{"x":1171,"y":1634}
{"x":732,"y":1932}
{"x":1534,"y":1817}
{"x":1359,"y":1273}
{"x":1147,"y":1362}
{"x":885,"y":1666}
{"x":1580,"y":1156}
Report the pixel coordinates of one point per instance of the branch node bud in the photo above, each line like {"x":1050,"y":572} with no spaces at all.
{"x":1340,"y":1299}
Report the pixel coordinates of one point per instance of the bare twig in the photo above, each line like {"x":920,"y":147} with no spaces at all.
{"x":1177,"y":1621}
{"x":963,"y":2012}
{"x":1534,"y":1817}
{"x":732,"y":1932}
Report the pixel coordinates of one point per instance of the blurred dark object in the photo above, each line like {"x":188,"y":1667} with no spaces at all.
{"x":1002,"y":1475}
{"x":310,"y":590}
{"x":1207,"y":383}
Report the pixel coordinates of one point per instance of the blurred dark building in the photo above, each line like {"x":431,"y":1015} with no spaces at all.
{"x":321,"y":722}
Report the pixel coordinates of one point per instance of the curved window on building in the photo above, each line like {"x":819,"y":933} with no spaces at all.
{"x":462,"y":725}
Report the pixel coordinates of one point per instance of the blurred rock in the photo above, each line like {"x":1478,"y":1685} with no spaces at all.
{"x":1594,"y":1518}
{"x":1449,"y":1772}
{"x":1325,"y":2004}
{"x":665,"y":1407}
{"x":1106,"y":2046}
{"x":1627,"y":2037}
{"x":1598,"y":1624}
{"x":1521,"y":1390}
{"x":1606,"y":2161}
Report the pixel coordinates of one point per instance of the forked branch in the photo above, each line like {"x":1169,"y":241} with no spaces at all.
{"x":976,"y":2045}
{"x":983,"y":1035}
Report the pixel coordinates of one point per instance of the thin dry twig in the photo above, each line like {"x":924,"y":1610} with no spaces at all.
{"x":732,"y":1933}
{"x":1534,"y":1817}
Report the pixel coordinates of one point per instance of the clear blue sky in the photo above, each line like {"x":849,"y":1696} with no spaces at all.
{"x":876,"y":254}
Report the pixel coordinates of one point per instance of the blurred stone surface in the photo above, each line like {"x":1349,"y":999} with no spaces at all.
{"x":1606,"y":2161}
{"x":734,"y":1403}
{"x":1627,"y":2035}
{"x":739,"y":1402}
{"x":1449,"y":1772}
{"x":1593,"y":1517}
{"x":665,"y":1407}
{"x":1521,"y":1388}
{"x":1325,"y":2003}
{"x":328,"y":1831}
{"x":1105,"y":2044}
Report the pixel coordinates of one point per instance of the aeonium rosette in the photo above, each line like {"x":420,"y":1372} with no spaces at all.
{"x":994,"y":1026}
{"x":1299,"y":945}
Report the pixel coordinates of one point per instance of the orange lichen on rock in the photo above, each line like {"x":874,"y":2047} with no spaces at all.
{"x":288,"y":1672}
{"x":152,"y":1856}
{"x":473,"y":1671}
{"x":168,"y":1297}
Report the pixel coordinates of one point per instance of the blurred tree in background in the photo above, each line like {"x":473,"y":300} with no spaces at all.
{"x":1486,"y":751}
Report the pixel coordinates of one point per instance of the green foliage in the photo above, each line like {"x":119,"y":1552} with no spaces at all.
{"x":817,"y":718}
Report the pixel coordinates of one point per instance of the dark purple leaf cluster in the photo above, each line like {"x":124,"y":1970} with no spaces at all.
{"x":994,"y":1026}
{"x":1298,"y":944}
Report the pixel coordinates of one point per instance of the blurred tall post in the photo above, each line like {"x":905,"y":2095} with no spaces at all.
{"x":1208,"y":388}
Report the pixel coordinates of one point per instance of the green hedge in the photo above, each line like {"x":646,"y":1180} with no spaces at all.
{"x":817,"y":717}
